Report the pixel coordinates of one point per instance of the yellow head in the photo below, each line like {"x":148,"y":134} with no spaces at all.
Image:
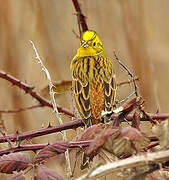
{"x":90,"y":45}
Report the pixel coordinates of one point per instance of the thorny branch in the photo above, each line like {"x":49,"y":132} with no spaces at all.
{"x":81,"y":18}
{"x":69,"y":125}
{"x":35,"y":147}
{"x":43,"y":131}
{"x":52,"y":94}
{"x":33,"y":93}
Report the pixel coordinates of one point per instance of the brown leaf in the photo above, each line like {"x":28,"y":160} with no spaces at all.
{"x":50,"y":151}
{"x":13,"y":162}
{"x":127,"y":108}
{"x":59,"y":88}
{"x":17,"y":177}
{"x":91,"y":132}
{"x":131,"y":133}
{"x":43,"y":173}
{"x":162,"y":132}
{"x":128,"y":142}
{"x":100,"y":140}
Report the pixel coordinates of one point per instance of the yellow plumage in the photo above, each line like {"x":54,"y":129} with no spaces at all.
{"x":94,"y":84}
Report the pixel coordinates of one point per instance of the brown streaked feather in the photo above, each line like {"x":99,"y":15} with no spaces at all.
{"x":94,"y":87}
{"x":82,"y":98}
{"x":110,"y":94}
{"x":109,"y":85}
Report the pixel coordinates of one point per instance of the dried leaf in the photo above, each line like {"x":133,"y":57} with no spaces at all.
{"x":17,"y":177}
{"x":13,"y":162}
{"x":43,"y":173}
{"x":100,"y":140}
{"x":59,"y":88}
{"x":128,"y":142}
{"x":127,"y":108}
{"x":162,"y":132}
{"x":91,"y":132}
{"x":131,"y":133}
{"x":50,"y":151}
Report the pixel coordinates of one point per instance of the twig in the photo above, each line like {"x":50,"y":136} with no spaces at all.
{"x":139,"y":160}
{"x":74,"y":32}
{"x":127,"y":82}
{"x":7,"y":139}
{"x":81,"y":18}
{"x":21,"y":109}
{"x":43,"y":131}
{"x":35,"y":147}
{"x":51,"y":92}
{"x":129,"y":73}
{"x":20,"y":148}
{"x":33,"y":93}
{"x":152,"y":144}
{"x":126,"y":98}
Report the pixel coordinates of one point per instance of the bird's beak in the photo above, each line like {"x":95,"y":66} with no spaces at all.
{"x":85,"y":45}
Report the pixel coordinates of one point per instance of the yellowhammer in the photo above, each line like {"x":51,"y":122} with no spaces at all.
{"x":94,"y":83}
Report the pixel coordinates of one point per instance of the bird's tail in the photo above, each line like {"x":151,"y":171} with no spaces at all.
{"x":85,"y":161}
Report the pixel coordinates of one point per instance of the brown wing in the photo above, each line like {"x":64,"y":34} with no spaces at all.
{"x":109,"y":85}
{"x":80,"y":86}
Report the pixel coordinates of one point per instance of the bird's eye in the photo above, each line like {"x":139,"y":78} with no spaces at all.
{"x":94,"y":44}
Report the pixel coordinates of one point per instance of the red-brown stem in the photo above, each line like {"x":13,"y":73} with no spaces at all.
{"x":153,"y":144}
{"x":68,"y":125}
{"x":21,"y":109}
{"x":43,"y":131}
{"x":127,"y":82}
{"x":157,"y":116}
{"x":34,"y":94}
{"x":35,"y":147}
{"x":29,"y":147}
{"x":80,"y":15}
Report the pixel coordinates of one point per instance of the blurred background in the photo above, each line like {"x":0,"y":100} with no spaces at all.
{"x":137,"y":30}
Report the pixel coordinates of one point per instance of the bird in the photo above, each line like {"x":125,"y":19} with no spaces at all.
{"x":94,"y":80}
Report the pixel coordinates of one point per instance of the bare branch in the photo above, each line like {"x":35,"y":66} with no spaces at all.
{"x":81,"y":18}
{"x":135,"y":161}
{"x":21,"y":109}
{"x":35,"y":147}
{"x":52,"y":96}
{"x":42,"y":131}
{"x":129,"y":73}
{"x":127,"y":82}
{"x":33,"y":93}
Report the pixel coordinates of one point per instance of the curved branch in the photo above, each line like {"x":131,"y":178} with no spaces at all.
{"x":21,"y":109}
{"x":35,"y":147}
{"x":81,"y":17}
{"x":34,"y":94}
{"x":43,"y":131}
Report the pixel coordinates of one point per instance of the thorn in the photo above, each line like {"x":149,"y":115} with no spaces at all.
{"x":34,"y":150}
{"x":49,"y":125}
{"x":157,"y":111}
{"x":74,"y":128}
{"x":17,"y":132}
